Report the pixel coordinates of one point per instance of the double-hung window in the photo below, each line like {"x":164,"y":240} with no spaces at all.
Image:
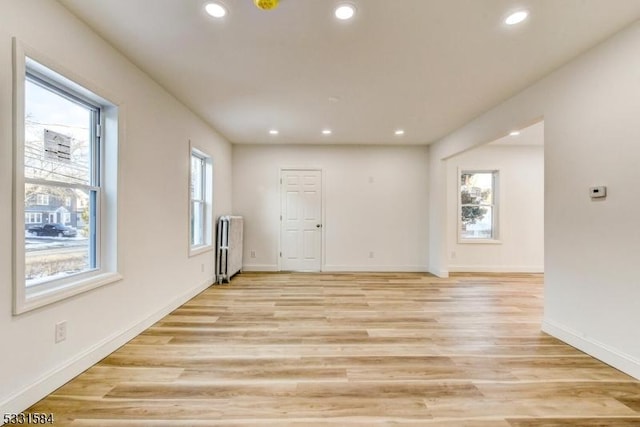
{"x":60,"y":172}
{"x":478,"y":213}
{"x":200,"y":202}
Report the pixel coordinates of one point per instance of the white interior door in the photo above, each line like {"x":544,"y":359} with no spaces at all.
{"x":301,"y":224}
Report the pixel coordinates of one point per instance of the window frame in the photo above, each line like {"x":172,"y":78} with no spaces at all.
{"x":27,"y":60}
{"x":495,"y":207}
{"x":206,"y":202}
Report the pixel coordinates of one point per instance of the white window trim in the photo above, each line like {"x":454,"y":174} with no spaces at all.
{"x":496,"y":208}
{"x":106,"y":252}
{"x":208,"y":199}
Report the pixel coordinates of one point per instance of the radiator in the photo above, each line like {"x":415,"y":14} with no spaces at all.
{"x":229,"y":243}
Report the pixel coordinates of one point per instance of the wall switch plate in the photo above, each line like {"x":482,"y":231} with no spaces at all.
{"x":598,"y":192}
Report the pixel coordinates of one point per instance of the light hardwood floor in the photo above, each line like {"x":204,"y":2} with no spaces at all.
{"x":352,"y":350}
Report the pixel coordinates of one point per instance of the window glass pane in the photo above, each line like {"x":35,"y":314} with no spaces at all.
{"x":476,"y":188}
{"x":197,"y":223}
{"x":476,"y":222}
{"x":197,"y":177}
{"x":57,"y":137}
{"x":57,"y":237}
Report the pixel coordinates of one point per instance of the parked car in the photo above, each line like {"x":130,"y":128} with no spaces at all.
{"x":59,"y":230}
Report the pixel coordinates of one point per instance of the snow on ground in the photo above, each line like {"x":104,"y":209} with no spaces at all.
{"x":34,"y":243}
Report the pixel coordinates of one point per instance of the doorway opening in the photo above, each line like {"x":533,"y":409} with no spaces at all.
{"x":496,"y":206}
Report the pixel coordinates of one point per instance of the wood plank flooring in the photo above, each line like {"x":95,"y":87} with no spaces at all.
{"x":351,"y":350}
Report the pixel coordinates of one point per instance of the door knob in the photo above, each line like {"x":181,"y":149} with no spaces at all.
{"x":318,"y":225}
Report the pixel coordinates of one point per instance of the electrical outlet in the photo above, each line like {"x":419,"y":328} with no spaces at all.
{"x":371,"y":254}
{"x":453,"y":254}
{"x":61,"y":331}
{"x":253,"y":254}
{"x":202,"y":268}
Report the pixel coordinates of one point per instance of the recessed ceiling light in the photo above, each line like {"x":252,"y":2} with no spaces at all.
{"x":516,"y":17}
{"x":514,"y":133}
{"x":399,"y":132}
{"x":326,"y":131}
{"x":274,"y":131}
{"x":345,"y":11}
{"x":217,"y":10}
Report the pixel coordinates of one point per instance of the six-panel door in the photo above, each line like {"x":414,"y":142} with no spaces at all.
{"x":301,"y":227}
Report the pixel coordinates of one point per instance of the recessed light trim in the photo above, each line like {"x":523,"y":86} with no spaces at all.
{"x":216,"y":9}
{"x":326,"y":131}
{"x":345,"y":11}
{"x":517,"y":17}
{"x":274,"y":132}
{"x":514,"y":133}
{"x":399,"y":132}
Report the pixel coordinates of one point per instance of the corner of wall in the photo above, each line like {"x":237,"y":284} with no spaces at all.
{"x":439,"y":272}
{"x":609,"y":355}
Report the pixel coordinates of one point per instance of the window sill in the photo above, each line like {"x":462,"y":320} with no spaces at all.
{"x":40,"y":299}
{"x":197,"y":250}
{"x":480,"y":241}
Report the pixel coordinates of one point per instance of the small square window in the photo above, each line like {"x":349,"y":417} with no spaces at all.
{"x":42,"y":199}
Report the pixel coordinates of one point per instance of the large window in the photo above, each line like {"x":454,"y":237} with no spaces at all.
{"x":60,"y":167}
{"x":200,"y":202}
{"x":478,"y":212}
{"x":61,"y":160}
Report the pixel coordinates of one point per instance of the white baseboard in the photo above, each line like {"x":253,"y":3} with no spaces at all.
{"x":57,"y":377}
{"x":375,"y":268}
{"x":347,"y":268}
{"x":260,"y":267}
{"x":496,"y":269}
{"x":619,"y":360}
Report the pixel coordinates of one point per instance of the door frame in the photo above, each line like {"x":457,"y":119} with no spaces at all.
{"x":323,"y":204}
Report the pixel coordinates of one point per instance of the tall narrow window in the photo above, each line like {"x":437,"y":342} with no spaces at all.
{"x":61,"y":160}
{"x":60,"y":175}
{"x":200,"y":201}
{"x":478,"y":205}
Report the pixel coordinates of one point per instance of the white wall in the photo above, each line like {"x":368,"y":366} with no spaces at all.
{"x":521,"y":208}
{"x":388,"y":216}
{"x":153,"y":210}
{"x":592,"y":133}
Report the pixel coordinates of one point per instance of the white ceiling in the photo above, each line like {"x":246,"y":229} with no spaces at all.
{"x":427,"y":66}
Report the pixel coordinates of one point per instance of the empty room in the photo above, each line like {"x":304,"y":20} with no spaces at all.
{"x":319,"y":212}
